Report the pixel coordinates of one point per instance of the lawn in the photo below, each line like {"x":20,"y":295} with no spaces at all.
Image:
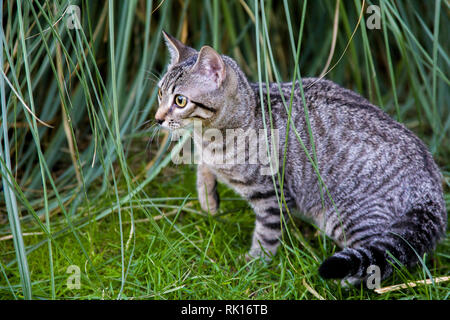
{"x":91,"y":205}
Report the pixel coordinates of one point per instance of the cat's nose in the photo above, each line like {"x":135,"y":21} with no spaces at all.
{"x":159,"y":121}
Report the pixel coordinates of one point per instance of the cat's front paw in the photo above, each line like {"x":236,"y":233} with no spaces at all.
{"x":350,"y":282}
{"x":209,"y":203}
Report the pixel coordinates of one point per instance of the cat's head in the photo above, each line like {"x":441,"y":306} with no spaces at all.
{"x":198,"y":85}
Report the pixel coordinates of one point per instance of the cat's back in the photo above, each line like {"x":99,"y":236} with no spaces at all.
{"x":354,"y":124}
{"x":358,"y":147}
{"x":338,"y":115}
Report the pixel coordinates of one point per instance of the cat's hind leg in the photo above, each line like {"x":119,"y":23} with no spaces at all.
{"x":268,"y":224}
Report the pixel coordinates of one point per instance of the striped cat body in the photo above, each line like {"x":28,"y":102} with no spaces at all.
{"x":379,"y":193}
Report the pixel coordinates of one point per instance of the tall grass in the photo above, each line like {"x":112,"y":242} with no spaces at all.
{"x":80,"y":174}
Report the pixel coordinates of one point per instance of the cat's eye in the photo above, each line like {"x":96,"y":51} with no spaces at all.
{"x":180,"y":100}
{"x":159,"y":93}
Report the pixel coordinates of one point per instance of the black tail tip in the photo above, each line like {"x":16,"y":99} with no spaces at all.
{"x":335,"y":268}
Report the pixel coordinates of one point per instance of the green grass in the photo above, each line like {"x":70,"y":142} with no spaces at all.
{"x":203,"y":259}
{"x":97,"y":192}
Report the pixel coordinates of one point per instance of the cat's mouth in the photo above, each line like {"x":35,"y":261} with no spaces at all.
{"x":181,"y":124}
{"x":177,"y":126}
{"x":176,"y":129}
{"x":169,"y":124}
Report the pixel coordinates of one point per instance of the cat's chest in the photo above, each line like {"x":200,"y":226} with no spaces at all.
{"x":238,"y":163}
{"x":238,"y":177}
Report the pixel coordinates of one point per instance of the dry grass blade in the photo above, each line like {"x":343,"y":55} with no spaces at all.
{"x":10,"y":236}
{"x":333,"y":39}
{"x":411,"y":284}
{"x":345,"y":49}
{"x":158,"y":6}
{"x":23,"y":102}
{"x":66,"y":125}
{"x":312,"y":291}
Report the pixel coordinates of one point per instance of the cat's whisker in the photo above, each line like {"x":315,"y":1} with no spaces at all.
{"x":151,"y":79}
{"x":145,"y":123}
{"x":153,"y":75}
{"x":154,"y":131}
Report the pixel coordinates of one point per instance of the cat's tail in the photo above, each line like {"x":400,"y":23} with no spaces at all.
{"x":406,"y":238}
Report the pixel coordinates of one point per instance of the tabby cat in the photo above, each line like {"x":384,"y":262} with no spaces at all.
{"x":380,"y":194}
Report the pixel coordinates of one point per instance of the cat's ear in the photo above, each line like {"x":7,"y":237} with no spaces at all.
{"x":178,"y":50}
{"x":210,"y":64}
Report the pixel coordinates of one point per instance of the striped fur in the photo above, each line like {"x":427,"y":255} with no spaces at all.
{"x":381,"y":178}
